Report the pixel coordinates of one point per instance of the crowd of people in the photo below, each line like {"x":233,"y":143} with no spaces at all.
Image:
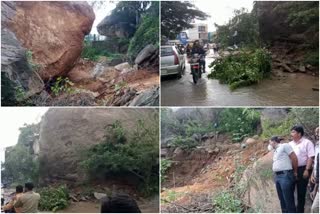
{"x":296,"y":168}
{"x":24,"y":200}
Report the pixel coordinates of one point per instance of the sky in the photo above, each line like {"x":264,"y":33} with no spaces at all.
{"x":101,"y":10}
{"x":220,"y":11}
{"x":14,"y":118}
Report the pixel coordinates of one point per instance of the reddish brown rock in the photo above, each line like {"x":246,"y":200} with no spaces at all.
{"x":53,"y":31}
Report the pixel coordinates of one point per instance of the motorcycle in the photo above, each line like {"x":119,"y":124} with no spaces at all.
{"x":197,"y":66}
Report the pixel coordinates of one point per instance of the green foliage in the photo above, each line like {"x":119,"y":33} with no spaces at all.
{"x":312,"y":58}
{"x":307,"y":117}
{"x":165,"y":166}
{"x":184,"y":142}
{"x":124,"y":153}
{"x":89,"y":52}
{"x":240,"y":122}
{"x":19,"y":165}
{"x":227,"y":202}
{"x":246,"y":26}
{"x":94,"y":54}
{"x":62,"y":85}
{"x":241,"y":69}
{"x":280,"y":128}
{"x":53,"y":198}
{"x":34,"y":66}
{"x":147,"y":33}
{"x":172,"y":196}
{"x":8,"y":97}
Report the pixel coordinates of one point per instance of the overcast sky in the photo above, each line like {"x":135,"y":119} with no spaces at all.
{"x":102,"y":10}
{"x":14,"y":118}
{"x":220,"y":10}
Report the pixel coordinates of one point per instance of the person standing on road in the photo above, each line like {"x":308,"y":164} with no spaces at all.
{"x":284,"y":167}
{"x":304,"y":150}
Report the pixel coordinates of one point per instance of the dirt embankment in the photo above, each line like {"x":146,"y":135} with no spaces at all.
{"x":197,"y":174}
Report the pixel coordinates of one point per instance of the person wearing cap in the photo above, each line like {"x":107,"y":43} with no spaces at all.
{"x":284,"y":167}
{"x":304,"y":150}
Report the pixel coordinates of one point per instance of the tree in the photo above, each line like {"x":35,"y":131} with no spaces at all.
{"x":177,"y":16}
{"x":20,"y":165}
{"x":246,"y":26}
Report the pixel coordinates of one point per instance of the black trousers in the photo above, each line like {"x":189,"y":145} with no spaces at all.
{"x":301,"y":185}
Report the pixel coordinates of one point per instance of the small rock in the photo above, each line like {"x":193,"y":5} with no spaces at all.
{"x":74,"y":198}
{"x":302,"y":68}
{"x":122,"y":66}
{"x":309,"y":66}
{"x":98,"y":195}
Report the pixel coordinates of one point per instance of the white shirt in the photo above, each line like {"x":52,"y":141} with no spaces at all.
{"x":281,"y":159}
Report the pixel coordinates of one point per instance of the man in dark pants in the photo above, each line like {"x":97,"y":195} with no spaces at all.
{"x":284,"y":166}
{"x":304,"y":150}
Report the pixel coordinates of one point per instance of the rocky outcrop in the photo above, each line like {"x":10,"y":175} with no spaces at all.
{"x":114,"y":26}
{"x":261,"y":193}
{"x":14,"y":64}
{"x":52,"y":31}
{"x":66,"y":133}
{"x":147,"y":98}
{"x":148,"y":56}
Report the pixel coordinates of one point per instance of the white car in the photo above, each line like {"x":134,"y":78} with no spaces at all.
{"x":172,"y":61}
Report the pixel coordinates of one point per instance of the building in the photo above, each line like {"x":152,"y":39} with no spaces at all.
{"x":198,"y":32}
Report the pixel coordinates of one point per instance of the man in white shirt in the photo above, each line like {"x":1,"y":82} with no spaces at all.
{"x":285,"y":166}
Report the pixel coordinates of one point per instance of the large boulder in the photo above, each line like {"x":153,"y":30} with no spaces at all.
{"x":111,"y":27}
{"x":14,"y":65}
{"x":65,"y":133}
{"x":52,"y":31}
{"x":149,"y":97}
{"x":146,"y":53}
{"x":261,"y":193}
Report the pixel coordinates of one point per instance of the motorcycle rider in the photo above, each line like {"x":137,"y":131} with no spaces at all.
{"x":198,"y":49}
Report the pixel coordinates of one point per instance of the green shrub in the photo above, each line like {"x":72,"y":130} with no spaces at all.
{"x":165,"y":166}
{"x":147,"y":33}
{"x":134,"y":154}
{"x":90,"y":52}
{"x":184,"y":142}
{"x":307,"y":117}
{"x":227,"y":202}
{"x":239,"y":122}
{"x":53,"y":199}
{"x":34,"y":66}
{"x":241,"y":69}
{"x":62,"y":85}
{"x":8,"y":97}
{"x":312,"y":58}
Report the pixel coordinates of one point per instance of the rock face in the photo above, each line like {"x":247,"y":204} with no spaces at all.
{"x":147,"y":98}
{"x":52,"y":31}
{"x":261,"y":193}
{"x":148,"y":53}
{"x":113,"y":26}
{"x":66,"y":133}
{"x":14,"y":63}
